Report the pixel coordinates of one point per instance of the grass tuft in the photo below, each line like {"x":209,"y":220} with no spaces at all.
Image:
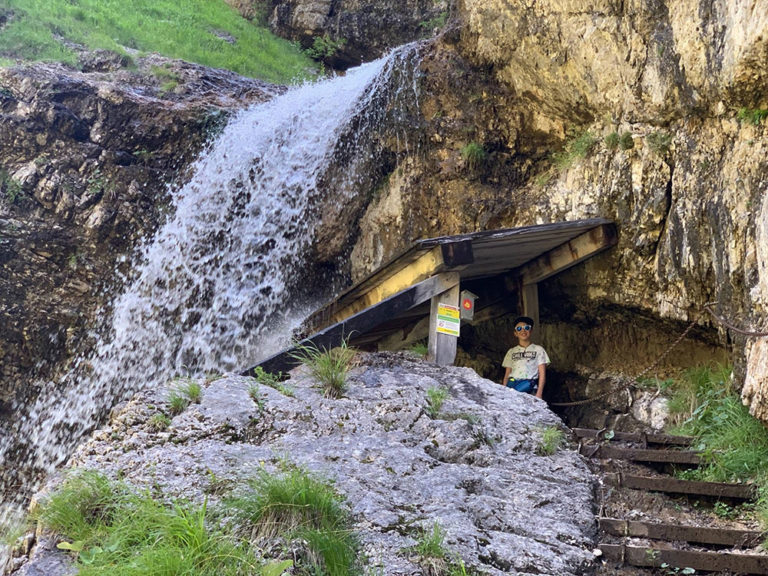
{"x":298,"y":505}
{"x":329,"y":367}
{"x":552,"y":439}
{"x":474,"y":155}
{"x":578,"y":146}
{"x":435,"y":399}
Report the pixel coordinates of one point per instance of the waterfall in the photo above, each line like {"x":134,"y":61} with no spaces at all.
{"x":214,"y":290}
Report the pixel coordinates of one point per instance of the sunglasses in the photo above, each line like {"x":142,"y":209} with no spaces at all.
{"x":521,"y":328}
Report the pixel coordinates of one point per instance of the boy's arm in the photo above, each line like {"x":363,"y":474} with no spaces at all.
{"x":542,"y":379}
{"x":506,"y":376}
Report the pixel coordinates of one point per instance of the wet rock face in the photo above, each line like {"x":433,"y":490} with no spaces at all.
{"x":85,"y":164}
{"x":520,"y":82}
{"x":474,"y":468}
{"x":345,"y":33}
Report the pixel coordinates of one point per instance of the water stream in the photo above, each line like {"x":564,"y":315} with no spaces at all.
{"x":214,"y":290}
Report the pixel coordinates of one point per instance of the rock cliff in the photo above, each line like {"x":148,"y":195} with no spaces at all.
{"x":644,"y":112}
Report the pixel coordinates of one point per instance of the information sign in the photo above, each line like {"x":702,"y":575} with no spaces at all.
{"x":448,"y":319}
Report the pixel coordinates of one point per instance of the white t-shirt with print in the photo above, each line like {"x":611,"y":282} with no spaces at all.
{"x":525,"y":362}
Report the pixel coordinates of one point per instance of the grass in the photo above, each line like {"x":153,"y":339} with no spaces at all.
{"x":752,"y":116}
{"x":420,"y":349}
{"x":112,"y":530}
{"x":435,"y":399}
{"x":659,"y":142}
{"x":551,"y":440}
{"x":186,"y":392}
{"x":474,"y":155}
{"x":614,"y":140}
{"x":208,"y":32}
{"x":158,"y":422}
{"x":328,"y":367}
{"x":735,"y":444}
{"x":579,"y":145}
{"x":433,"y":556}
{"x":272,"y":380}
{"x":296,"y":505}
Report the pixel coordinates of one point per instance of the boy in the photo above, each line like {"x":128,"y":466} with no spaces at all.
{"x":526,"y":363}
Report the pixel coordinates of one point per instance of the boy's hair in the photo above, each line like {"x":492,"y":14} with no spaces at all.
{"x":525,"y":319}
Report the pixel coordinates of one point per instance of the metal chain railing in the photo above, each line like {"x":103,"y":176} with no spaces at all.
{"x":635,"y":381}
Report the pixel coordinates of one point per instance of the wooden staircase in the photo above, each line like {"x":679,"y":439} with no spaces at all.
{"x":667,"y":547}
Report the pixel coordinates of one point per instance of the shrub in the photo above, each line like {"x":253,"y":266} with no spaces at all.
{"x":578,"y":146}
{"x":329,"y":367}
{"x":612,"y":141}
{"x":159,"y":422}
{"x":626,"y":142}
{"x":659,"y":142}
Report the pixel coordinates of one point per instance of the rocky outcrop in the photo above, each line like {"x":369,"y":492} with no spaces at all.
{"x":474,"y":467}
{"x":345,"y":33}
{"x":87,"y":158}
{"x":641,"y":112}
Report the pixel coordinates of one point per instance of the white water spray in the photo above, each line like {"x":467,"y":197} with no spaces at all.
{"x":218,"y":274}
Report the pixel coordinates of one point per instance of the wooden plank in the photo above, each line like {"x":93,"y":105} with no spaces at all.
{"x":641,"y":455}
{"x":708,"y":561}
{"x":676,"y":486}
{"x":677,"y":533}
{"x":664,"y":439}
{"x":569,"y":254}
{"x":363,"y":321}
{"x":531,"y":302}
{"x":442,"y":347}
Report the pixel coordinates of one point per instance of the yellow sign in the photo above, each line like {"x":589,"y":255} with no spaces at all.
{"x":448,"y":319}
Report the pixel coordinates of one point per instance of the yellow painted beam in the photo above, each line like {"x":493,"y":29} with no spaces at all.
{"x":426,"y":265}
{"x":566,"y":255}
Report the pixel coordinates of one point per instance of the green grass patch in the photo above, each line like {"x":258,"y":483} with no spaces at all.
{"x":659,"y":142}
{"x":328,"y":366}
{"x":752,"y":116}
{"x":578,"y":146}
{"x":112,"y":530}
{"x":735,"y":444}
{"x":297,"y":505}
{"x":435,"y":399}
{"x":474,"y":155}
{"x":208,"y":32}
{"x":551,"y":439}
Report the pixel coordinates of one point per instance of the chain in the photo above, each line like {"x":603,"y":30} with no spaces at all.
{"x":680,"y":338}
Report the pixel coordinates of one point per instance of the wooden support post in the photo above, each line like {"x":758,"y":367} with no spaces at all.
{"x":531,"y":302}
{"x":442,"y":347}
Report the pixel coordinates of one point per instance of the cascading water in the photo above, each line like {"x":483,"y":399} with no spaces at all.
{"x":211,"y":288}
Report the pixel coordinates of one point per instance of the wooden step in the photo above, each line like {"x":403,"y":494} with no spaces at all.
{"x":642,"y":455}
{"x":677,"y":533}
{"x":676,"y":486}
{"x":708,"y":561}
{"x":641,"y":438}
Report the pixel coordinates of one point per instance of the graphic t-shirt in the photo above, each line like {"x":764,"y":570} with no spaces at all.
{"x":525,"y":362}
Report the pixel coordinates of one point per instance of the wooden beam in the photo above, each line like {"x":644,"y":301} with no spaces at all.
{"x":707,"y":561}
{"x":569,"y":254}
{"x":639,"y":455}
{"x":679,"y":533}
{"x":645,"y":439}
{"x":426,"y":265}
{"x":442,"y":347}
{"x":677,"y":486}
{"x":531,"y":302}
{"x":362,"y":322}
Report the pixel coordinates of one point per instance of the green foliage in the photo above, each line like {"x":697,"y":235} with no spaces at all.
{"x":208,"y":32}
{"x":329,"y":367}
{"x":551,"y":440}
{"x":298,"y":505}
{"x":159,"y":422}
{"x":10,"y":187}
{"x":324,"y":47}
{"x":273,"y":381}
{"x":434,"y":23}
{"x":435,"y":399}
{"x":474,"y":155}
{"x":659,"y":142}
{"x":433,"y":556}
{"x":177,"y":402}
{"x":112,"y":530}
{"x":255,"y":394}
{"x":579,"y":145}
{"x":752,"y":116}
{"x":614,"y":140}
{"x":419,"y":348}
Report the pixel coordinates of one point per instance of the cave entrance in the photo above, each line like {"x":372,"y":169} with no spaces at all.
{"x":397,"y":305}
